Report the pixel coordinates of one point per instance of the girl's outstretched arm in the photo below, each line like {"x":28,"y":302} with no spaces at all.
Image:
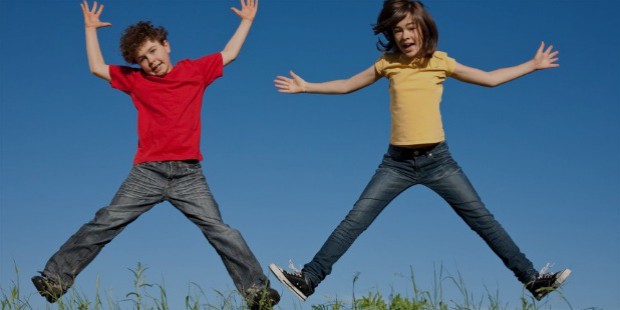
{"x":96,"y":63}
{"x":247,"y":14}
{"x":543,"y":59}
{"x":296,"y":84}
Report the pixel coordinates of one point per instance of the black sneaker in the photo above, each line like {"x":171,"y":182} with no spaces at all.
{"x":547,"y":283}
{"x":48,"y":288}
{"x":295,"y":281}
{"x":263,"y":299}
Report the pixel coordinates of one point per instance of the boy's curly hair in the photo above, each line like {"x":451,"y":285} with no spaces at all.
{"x":135,"y":35}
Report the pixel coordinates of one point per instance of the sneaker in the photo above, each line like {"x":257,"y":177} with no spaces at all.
{"x":547,"y":283}
{"x":295,"y":281}
{"x":48,"y":288}
{"x":263,"y":299}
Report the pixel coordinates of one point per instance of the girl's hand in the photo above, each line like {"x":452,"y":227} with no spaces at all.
{"x":290,"y":86}
{"x":91,"y":17}
{"x":545,"y":59}
{"x":248,"y":10}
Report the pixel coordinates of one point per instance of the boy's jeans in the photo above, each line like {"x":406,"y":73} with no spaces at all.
{"x":402,"y":168}
{"x":184,"y":186}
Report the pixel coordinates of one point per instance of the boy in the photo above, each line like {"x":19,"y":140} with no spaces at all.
{"x":166,"y":166}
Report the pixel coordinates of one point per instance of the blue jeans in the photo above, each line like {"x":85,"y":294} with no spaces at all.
{"x":183,"y":184}
{"x":402,"y":168}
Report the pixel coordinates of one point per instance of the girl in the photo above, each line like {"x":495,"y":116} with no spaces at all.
{"x":418,"y":152}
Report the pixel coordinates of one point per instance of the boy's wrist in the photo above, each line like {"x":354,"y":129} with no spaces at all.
{"x":531,"y":65}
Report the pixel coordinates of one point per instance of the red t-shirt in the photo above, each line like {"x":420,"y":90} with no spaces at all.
{"x":168,"y":106}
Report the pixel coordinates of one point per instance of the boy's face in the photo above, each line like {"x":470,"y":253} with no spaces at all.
{"x":407,"y":36}
{"x":154,"y":58}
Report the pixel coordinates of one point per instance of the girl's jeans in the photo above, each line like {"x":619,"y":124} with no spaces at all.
{"x":183,"y":184}
{"x":402,"y":168}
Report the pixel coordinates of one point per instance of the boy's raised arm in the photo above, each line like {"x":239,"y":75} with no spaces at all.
{"x":247,"y":14}
{"x":96,"y":63}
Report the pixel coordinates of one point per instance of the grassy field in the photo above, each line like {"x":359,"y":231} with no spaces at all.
{"x":145,"y":295}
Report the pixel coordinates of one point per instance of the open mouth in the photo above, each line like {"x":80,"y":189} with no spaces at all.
{"x":155,"y":68}
{"x":408,"y":45}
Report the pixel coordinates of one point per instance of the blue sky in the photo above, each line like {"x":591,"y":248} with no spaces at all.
{"x":542,"y":151}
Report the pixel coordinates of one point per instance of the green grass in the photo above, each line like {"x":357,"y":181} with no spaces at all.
{"x":145,"y":295}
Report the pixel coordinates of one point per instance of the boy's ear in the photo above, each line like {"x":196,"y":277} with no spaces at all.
{"x":166,"y":45}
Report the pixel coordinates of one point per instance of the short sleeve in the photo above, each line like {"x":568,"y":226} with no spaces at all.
{"x":450,"y":65}
{"x":122,"y":77}
{"x":211,"y":67}
{"x":447,"y":63}
{"x":380,"y":65}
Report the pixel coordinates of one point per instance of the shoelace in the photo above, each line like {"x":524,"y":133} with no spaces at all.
{"x":543,"y":271}
{"x":292,"y":267}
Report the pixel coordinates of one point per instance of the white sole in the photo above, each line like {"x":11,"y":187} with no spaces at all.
{"x":278,"y":273}
{"x":562,"y":277}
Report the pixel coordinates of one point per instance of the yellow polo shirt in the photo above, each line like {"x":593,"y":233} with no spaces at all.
{"x":416,"y":87}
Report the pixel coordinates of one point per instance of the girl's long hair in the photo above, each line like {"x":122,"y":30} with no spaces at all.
{"x":395,"y":11}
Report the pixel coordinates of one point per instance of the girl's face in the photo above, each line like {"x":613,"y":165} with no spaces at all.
{"x":407,"y":36}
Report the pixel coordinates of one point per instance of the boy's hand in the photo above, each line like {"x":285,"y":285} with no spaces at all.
{"x":91,"y":17}
{"x":290,"y":86}
{"x":545,"y":59}
{"x":248,"y":10}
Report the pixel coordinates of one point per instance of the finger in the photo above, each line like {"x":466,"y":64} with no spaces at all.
{"x":299,"y":81}
{"x":236,"y":11}
{"x":282,"y":85}
{"x":242,"y":3}
{"x":549,"y":49}
{"x":94,"y":8}
{"x":554,"y":54}
{"x":100,"y":10}
{"x":541,"y":47}
{"x":285,"y":78}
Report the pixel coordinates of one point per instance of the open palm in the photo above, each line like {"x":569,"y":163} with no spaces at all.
{"x":91,"y":16}
{"x":248,"y":9}
{"x":545,"y":59}
{"x":290,"y":85}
